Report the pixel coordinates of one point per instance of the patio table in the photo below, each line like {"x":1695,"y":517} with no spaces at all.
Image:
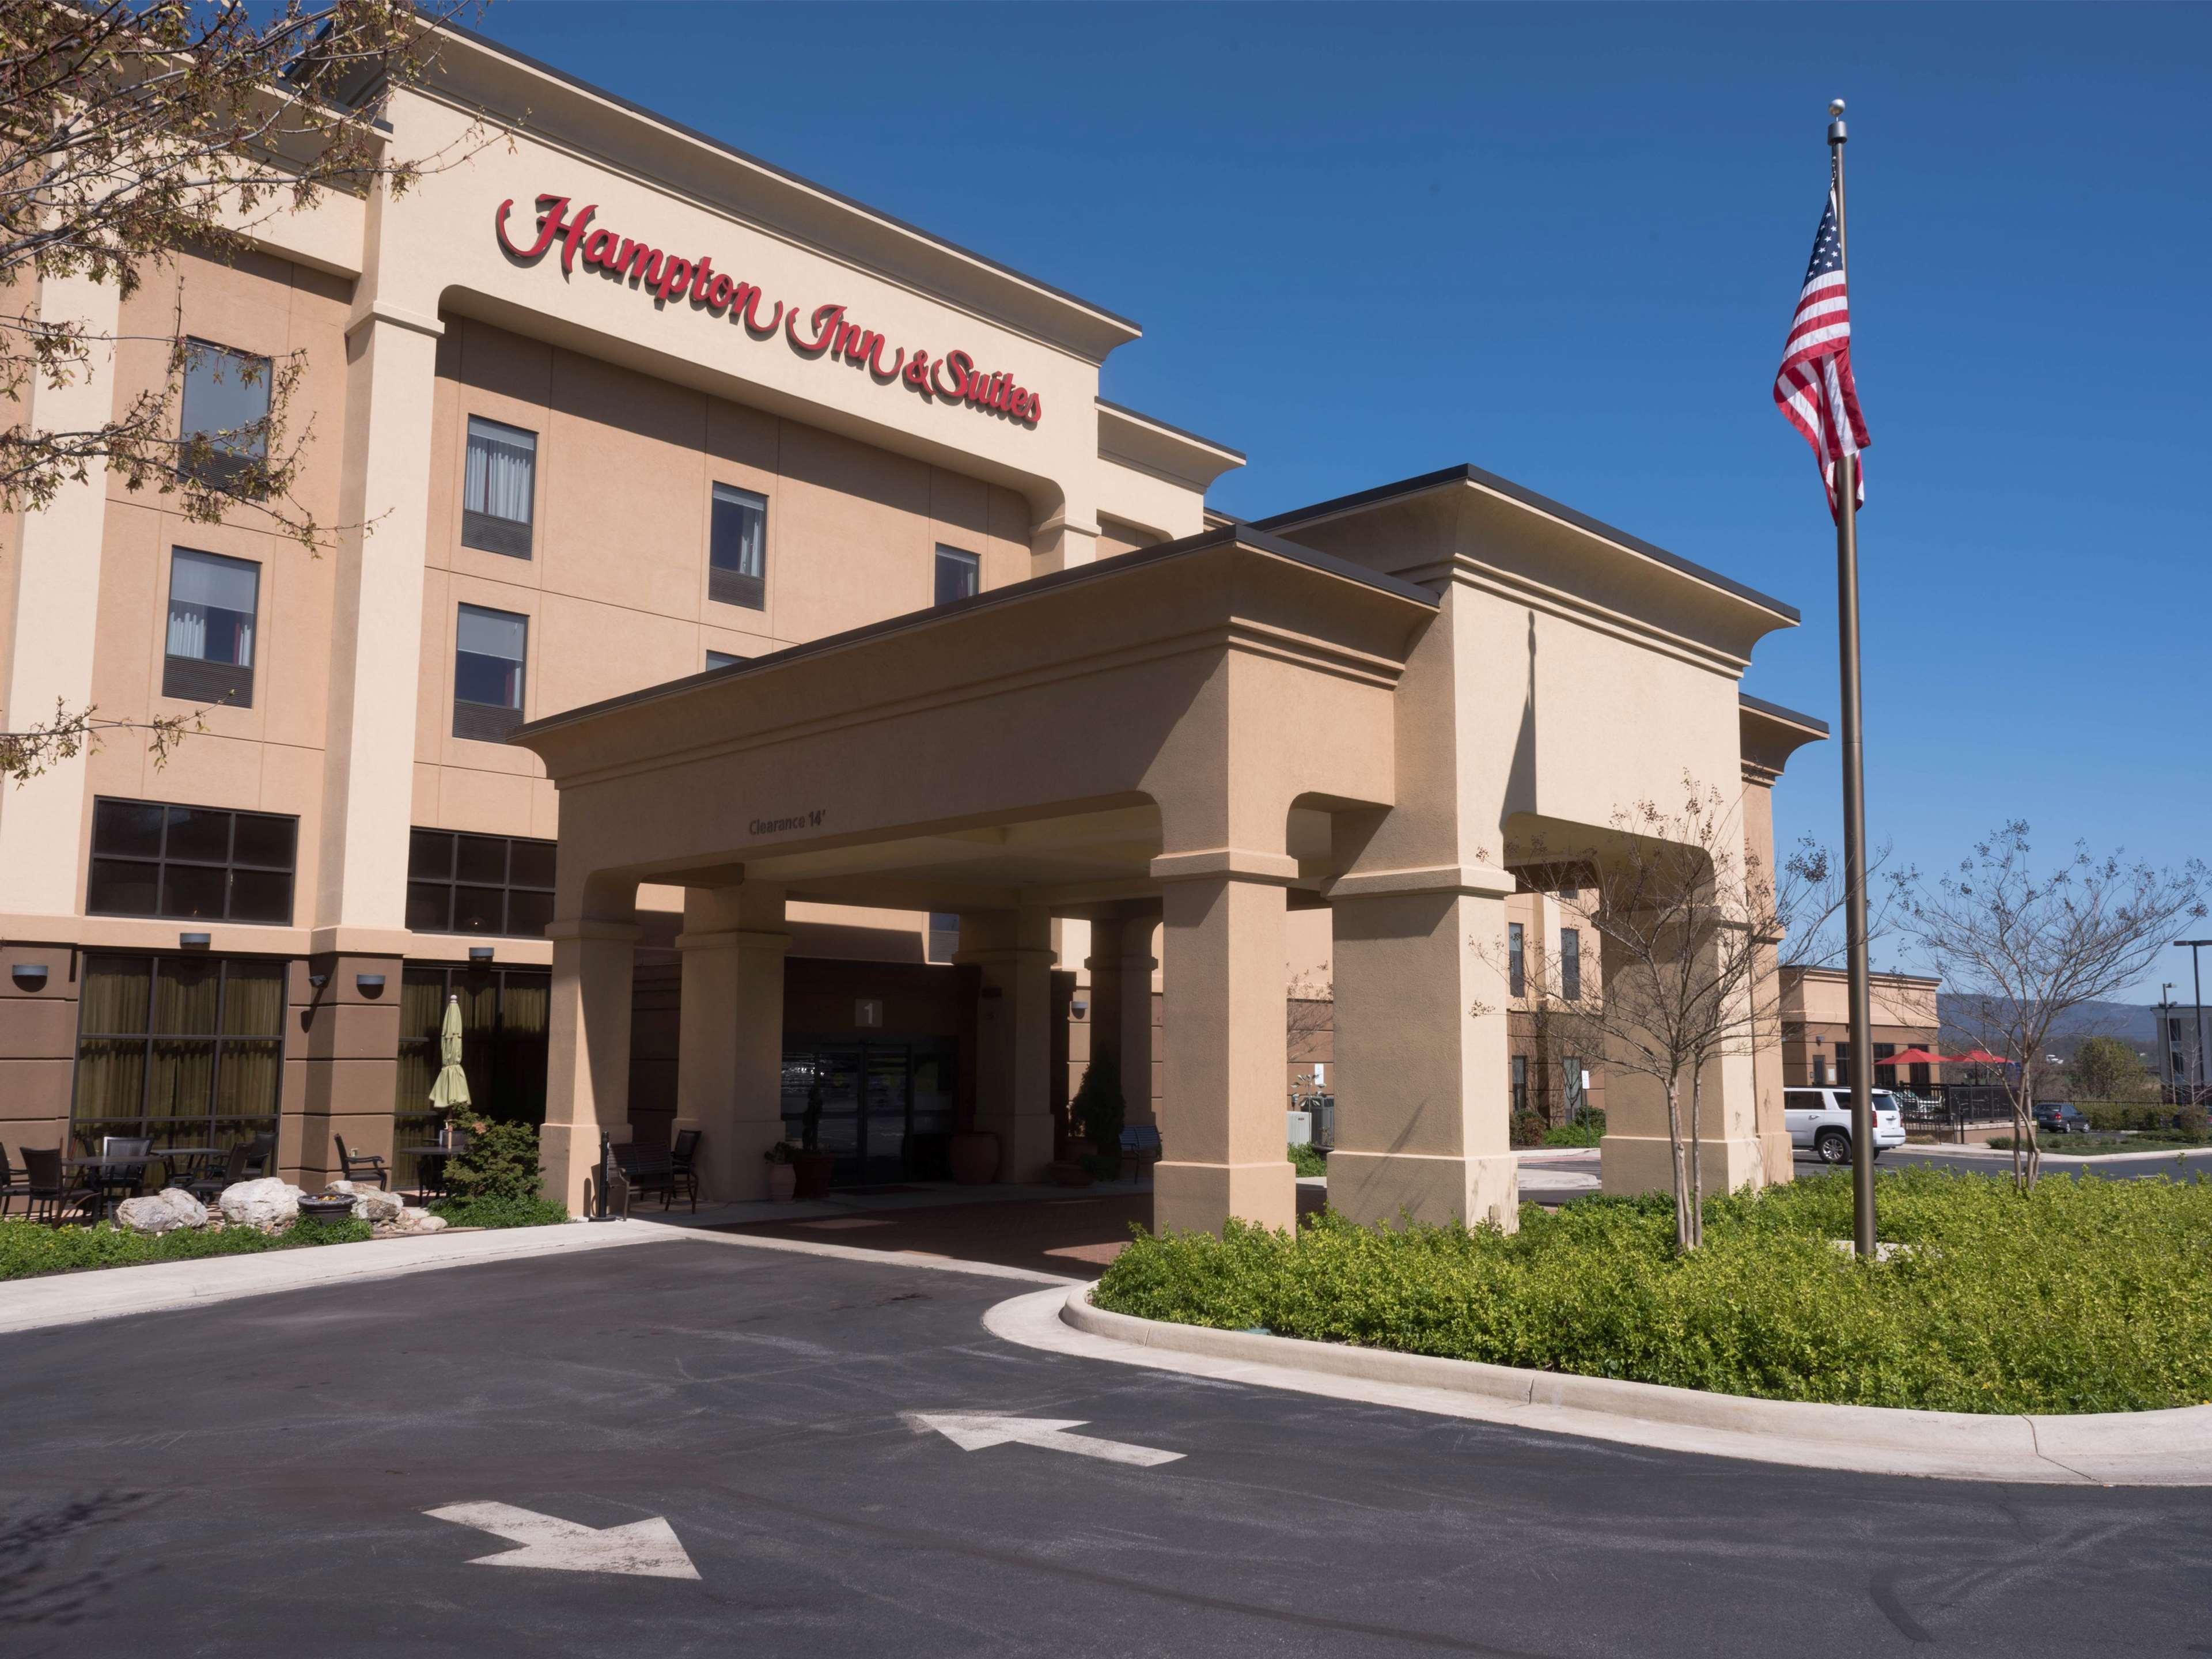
{"x":105,"y":1197}
{"x":435,"y":1174}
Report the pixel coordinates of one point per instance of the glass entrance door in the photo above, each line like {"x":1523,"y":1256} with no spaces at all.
{"x":882,"y":1109}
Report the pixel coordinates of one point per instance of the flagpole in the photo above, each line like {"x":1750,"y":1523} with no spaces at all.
{"x":1853,"y":759}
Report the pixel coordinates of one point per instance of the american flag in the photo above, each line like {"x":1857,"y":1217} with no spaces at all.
{"x":1813,"y":388}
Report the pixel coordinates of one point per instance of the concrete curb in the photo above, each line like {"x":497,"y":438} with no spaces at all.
{"x":2146,"y":1448}
{"x":2076,"y":1160}
{"x":80,"y":1299}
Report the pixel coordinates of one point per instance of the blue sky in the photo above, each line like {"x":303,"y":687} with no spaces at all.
{"x":1563,"y":242}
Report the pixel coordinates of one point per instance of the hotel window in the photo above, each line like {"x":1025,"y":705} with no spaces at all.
{"x":724,"y":659}
{"x":1577,"y":1098}
{"x":490,"y":648}
{"x":188,"y":1051}
{"x":1885,"y":1076}
{"x":458,"y":883}
{"x":195,"y":863}
{"x":502,"y":477}
{"x":212,"y":602}
{"x":224,"y":424}
{"x":1843,"y":1065}
{"x":504,"y":1020}
{"x":959,"y":575}
{"x":1519,"y":1083}
{"x":1516,"y":960}
{"x":736,"y":551}
{"x":1570,"y":963}
{"x":944,"y":935}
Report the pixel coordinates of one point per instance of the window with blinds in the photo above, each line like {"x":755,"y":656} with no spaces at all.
{"x":212,"y":602}
{"x":737,"y":550}
{"x":490,"y":651}
{"x":498,"y":488}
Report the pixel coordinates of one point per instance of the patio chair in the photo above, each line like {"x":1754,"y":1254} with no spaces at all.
{"x":12,"y":1185}
{"x":648,"y":1170}
{"x":1141,"y":1141}
{"x":682,"y":1156}
{"x":207,"y":1183}
{"x":120,"y":1180}
{"x":259,"y":1152}
{"x":52,"y":1189}
{"x":364,"y":1166}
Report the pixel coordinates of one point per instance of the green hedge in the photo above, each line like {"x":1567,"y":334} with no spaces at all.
{"x":30,"y":1247}
{"x":502,"y":1212}
{"x":2086,"y":1296}
{"x":1309,"y":1160}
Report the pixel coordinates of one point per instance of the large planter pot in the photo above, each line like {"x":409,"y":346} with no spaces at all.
{"x":975,"y":1157}
{"x":325,"y":1209}
{"x":782,"y":1183}
{"x":810,"y":1175}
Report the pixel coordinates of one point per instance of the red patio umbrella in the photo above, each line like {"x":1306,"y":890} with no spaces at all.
{"x":1913,"y":1057}
{"x":1976,"y":1057}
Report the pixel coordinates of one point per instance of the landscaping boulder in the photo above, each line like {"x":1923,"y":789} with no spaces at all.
{"x":266,"y":1204}
{"x":369,"y":1203}
{"x":164,"y":1212}
{"x":416,"y":1221}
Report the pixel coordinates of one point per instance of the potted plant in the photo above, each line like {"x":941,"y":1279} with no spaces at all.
{"x":1097,"y":1109}
{"x":325,"y":1206}
{"x":810,"y":1165}
{"x":782,"y":1171}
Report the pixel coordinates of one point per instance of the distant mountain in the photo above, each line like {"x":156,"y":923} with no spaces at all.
{"x":2134,"y":1023}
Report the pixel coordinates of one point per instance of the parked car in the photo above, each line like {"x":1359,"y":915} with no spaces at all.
{"x":2056,"y":1117}
{"x":1819,"y":1120}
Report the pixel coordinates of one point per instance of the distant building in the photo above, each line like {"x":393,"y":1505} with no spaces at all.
{"x":1816,"y":1028}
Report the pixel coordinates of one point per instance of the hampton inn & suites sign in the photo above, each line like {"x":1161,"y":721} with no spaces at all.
{"x":825,"y":333}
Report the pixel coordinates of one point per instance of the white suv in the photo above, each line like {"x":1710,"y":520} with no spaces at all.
{"x":1820,"y":1120}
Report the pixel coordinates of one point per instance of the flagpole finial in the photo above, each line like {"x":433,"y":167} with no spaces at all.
{"x":1836,"y":133}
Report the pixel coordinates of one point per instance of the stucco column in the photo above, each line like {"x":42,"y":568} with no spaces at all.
{"x":729,"y":1068}
{"x":376,"y":626}
{"x":1423,"y":1080}
{"x":1638,"y":1152}
{"x":1122,"y":965}
{"x":1222,"y":1128}
{"x":1012,"y":949}
{"x":57,"y":616}
{"x":587,"y":1050}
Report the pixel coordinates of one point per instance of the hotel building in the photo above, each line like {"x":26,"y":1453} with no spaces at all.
{"x":757,"y":669}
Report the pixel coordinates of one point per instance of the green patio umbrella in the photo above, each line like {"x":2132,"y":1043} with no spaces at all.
{"x":451,"y":1088}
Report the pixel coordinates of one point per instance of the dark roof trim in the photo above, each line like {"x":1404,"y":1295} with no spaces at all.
{"x":489,"y":44}
{"x":1180,"y":432}
{"x":1776,"y":711}
{"x":1236,"y":532}
{"x":1506,"y":487}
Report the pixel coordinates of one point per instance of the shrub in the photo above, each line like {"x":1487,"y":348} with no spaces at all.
{"x":1586,"y":1130}
{"x":500,"y":1161}
{"x":1097,"y":1108}
{"x":30,"y":1247}
{"x":1527,"y":1129}
{"x":1308,"y":1161}
{"x":500,"y":1211}
{"x":2083,"y":1296}
{"x":2113,"y":1115}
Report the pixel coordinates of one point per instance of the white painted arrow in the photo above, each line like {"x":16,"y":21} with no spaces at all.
{"x":648,"y":1548}
{"x":974,"y":1430}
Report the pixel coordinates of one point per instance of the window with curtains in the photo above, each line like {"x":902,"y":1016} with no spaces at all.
{"x":736,"y":549}
{"x":458,"y":883}
{"x":498,"y":487}
{"x":196,"y":863}
{"x":187,"y":1050}
{"x":959,"y":575}
{"x":491,"y":649}
{"x":212,"y":602}
{"x":1520,"y":1065}
{"x":1516,"y":960}
{"x":504,"y":1020}
{"x":224,"y":423}
{"x":1570,"y":963}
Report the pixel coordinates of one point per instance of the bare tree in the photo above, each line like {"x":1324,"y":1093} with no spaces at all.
{"x":1689,"y":921}
{"x":2022,"y":949}
{"x":1310,"y":1009}
{"x":135,"y":129}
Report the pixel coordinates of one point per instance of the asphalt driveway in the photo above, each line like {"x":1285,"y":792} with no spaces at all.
{"x":255,"y":1478}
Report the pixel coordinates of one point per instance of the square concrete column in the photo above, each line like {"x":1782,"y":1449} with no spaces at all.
{"x":1638,"y":1152}
{"x":1223,"y":1134}
{"x":1423,"y":1078}
{"x":1013,"y":1034}
{"x":1122,"y":965}
{"x":729,"y":1067}
{"x":587,"y":1050}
